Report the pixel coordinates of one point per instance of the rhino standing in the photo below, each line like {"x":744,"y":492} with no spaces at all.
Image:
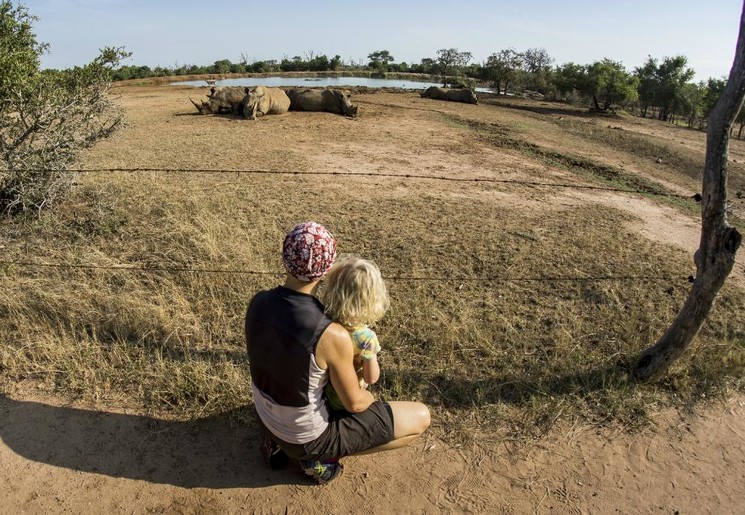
{"x":221,"y":100}
{"x":260,"y":101}
{"x":327,"y":100}
{"x":454,"y":95}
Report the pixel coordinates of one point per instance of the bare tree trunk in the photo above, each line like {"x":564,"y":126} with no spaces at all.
{"x":719,"y":242}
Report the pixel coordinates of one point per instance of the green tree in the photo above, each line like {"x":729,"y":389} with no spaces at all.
{"x":222,"y":66}
{"x":502,"y":68}
{"x":537,"y":66}
{"x":692,"y":105}
{"x":570,"y":78}
{"x":450,"y":62}
{"x":319,"y":63}
{"x":648,"y":84}
{"x":46,"y":118}
{"x":292,"y":65}
{"x":379,"y":60}
{"x":672,"y":76}
{"x":713,"y":91}
{"x":335,"y":63}
{"x":426,"y":65}
{"x":608,"y":84}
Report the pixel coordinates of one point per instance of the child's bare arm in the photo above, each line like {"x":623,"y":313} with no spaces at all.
{"x":371,"y":370}
{"x":369,"y":347}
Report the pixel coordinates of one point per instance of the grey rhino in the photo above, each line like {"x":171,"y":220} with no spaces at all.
{"x":327,"y":100}
{"x":221,"y":100}
{"x":454,"y":95}
{"x":260,"y":101}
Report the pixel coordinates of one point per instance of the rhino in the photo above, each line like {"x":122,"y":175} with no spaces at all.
{"x":260,"y":101}
{"x":221,"y":100}
{"x":454,"y":95}
{"x":327,"y":100}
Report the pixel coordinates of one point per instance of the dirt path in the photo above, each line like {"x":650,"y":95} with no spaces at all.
{"x":57,"y":458}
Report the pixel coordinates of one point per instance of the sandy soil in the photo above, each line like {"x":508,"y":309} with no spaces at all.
{"x":60,"y":457}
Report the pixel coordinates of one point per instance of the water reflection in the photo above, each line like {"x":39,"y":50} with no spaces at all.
{"x":339,"y":82}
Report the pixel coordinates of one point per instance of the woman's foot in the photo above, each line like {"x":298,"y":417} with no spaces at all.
{"x":274,"y":457}
{"x":322,"y":472}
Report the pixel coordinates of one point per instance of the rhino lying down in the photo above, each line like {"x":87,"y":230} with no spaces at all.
{"x":221,"y":100}
{"x":327,"y":100}
{"x":261,"y":101}
{"x":454,"y":95}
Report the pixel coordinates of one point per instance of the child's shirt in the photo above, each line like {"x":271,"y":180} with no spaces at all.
{"x":366,"y":345}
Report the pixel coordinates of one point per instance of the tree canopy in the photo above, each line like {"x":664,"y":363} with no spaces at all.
{"x":608,"y":83}
{"x":502,"y":68}
{"x":450,"y":62}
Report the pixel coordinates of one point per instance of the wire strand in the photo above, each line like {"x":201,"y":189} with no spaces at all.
{"x":135,"y":268}
{"x":208,"y":171}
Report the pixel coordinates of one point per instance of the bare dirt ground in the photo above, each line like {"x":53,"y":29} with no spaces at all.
{"x":62,"y":458}
{"x":80,"y":457}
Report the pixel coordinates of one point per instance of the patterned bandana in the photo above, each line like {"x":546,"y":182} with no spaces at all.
{"x":308,"y":251}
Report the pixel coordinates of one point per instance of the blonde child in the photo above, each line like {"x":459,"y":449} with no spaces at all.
{"x":355,"y":296}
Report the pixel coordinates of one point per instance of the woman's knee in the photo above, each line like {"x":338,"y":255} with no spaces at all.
{"x":410,"y":418}
{"x":425,"y":419}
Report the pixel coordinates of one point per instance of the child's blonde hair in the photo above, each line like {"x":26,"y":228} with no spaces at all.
{"x":354,"y":292}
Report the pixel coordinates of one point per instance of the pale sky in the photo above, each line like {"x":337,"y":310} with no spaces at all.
{"x":171,"y":32}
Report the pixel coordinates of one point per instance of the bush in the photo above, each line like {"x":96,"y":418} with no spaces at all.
{"x":46,"y":117}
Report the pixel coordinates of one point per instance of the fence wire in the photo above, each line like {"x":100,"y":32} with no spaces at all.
{"x":217,"y":171}
{"x":402,"y":278}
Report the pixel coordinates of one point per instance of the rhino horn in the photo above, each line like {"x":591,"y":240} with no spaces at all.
{"x":200,"y":108}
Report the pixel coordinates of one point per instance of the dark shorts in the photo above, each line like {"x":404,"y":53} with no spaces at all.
{"x":347,"y":434}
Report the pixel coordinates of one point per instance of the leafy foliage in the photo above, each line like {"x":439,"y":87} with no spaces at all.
{"x":609,"y":84}
{"x":502,"y":68}
{"x":46,"y":117}
{"x":537,"y":64}
{"x":661,"y":86}
{"x":450,"y":62}
{"x":19,"y":51}
{"x":380,"y":59}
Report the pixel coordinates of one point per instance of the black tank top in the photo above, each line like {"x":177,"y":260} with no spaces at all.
{"x":282,"y":331}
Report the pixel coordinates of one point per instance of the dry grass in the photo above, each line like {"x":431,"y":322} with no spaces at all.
{"x":503,"y":318}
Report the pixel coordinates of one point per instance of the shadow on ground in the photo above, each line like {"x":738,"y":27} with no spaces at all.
{"x":464,"y":392}
{"x":211,"y":452}
{"x":549,"y":109}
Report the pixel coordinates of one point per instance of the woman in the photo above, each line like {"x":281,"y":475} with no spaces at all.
{"x":294,"y":350}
